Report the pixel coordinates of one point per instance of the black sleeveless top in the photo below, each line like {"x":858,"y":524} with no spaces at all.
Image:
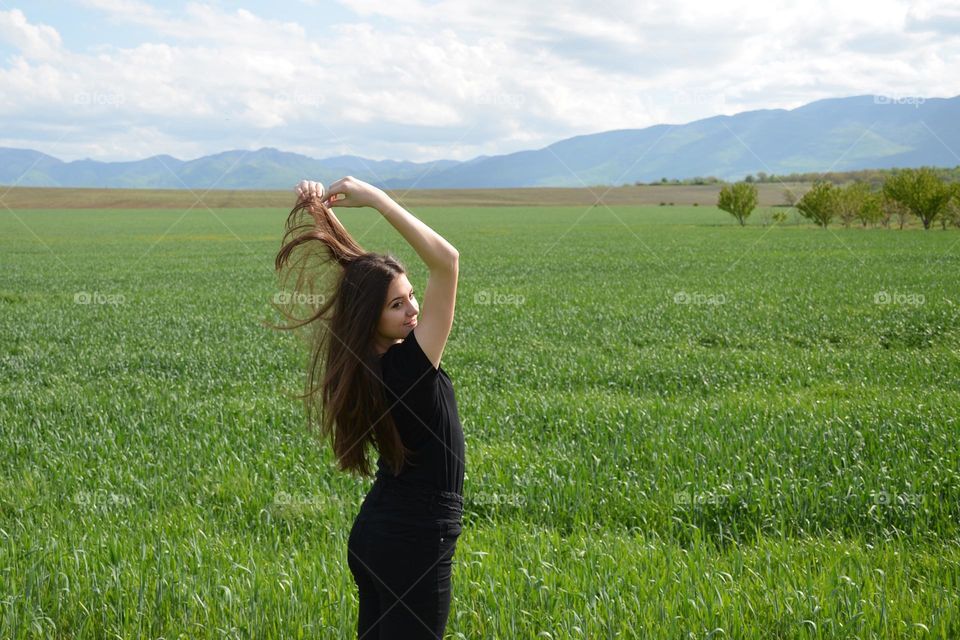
{"x":424,"y":408}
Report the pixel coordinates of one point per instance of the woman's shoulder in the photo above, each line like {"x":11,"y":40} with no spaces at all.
{"x":405,"y":360}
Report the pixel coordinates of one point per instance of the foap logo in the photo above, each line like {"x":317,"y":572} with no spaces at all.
{"x":684,"y":297}
{"x":911,"y":299}
{"x":916,"y":101}
{"x":514,"y":100}
{"x":498,"y":499}
{"x":699,"y":98}
{"x":496,"y":297}
{"x":284,"y":499}
{"x":301,"y":98}
{"x":97,"y":297}
{"x":101,"y":500}
{"x":98,"y":99}
{"x":687,"y":498}
{"x":298,"y":297}
{"x":884,"y":498}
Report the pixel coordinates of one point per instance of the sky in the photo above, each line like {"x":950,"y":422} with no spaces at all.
{"x":442,"y":79}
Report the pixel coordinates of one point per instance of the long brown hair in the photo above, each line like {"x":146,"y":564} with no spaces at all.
{"x":344,"y":289}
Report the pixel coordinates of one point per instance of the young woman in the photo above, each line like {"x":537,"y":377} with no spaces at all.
{"x":375,"y":379}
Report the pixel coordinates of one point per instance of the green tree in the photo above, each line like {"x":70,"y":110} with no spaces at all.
{"x":739,"y":200}
{"x":921,"y":191}
{"x":895,"y":208}
{"x":858,"y":201}
{"x":871,"y":208}
{"x":819,"y":204}
{"x":951,"y":213}
{"x":848,"y":203}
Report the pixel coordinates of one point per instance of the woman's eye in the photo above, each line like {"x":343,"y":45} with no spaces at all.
{"x":397,"y":305}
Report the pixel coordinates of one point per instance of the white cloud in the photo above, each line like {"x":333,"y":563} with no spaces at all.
{"x":421,"y":80}
{"x":37,"y":41}
{"x":201,"y":23}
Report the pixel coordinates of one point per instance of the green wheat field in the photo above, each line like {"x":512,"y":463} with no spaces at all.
{"x":676,"y":428}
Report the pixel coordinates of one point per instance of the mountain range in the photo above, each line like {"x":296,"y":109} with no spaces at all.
{"x":835,"y":134}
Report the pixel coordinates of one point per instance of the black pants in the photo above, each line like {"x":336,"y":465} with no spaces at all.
{"x":400,"y":552}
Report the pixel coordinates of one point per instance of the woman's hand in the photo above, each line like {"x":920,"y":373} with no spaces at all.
{"x":307,"y":189}
{"x":350,"y":192}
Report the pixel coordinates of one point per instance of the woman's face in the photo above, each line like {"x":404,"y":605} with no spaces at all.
{"x":400,"y":313}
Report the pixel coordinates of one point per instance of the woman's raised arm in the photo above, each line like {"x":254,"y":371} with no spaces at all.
{"x":429,"y":245}
{"x":441,"y":258}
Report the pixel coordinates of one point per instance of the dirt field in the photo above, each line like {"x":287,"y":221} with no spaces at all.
{"x":68,"y":198}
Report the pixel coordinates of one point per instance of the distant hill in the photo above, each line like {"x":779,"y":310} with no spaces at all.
{"x":838,"y":134}
{"x":261,"y":169}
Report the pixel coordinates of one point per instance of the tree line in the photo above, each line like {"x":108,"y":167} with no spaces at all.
{"x":925,"y":193}
{"x":875,"y":177}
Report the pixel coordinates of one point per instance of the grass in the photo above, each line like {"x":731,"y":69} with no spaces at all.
{"x":675,"y":428}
